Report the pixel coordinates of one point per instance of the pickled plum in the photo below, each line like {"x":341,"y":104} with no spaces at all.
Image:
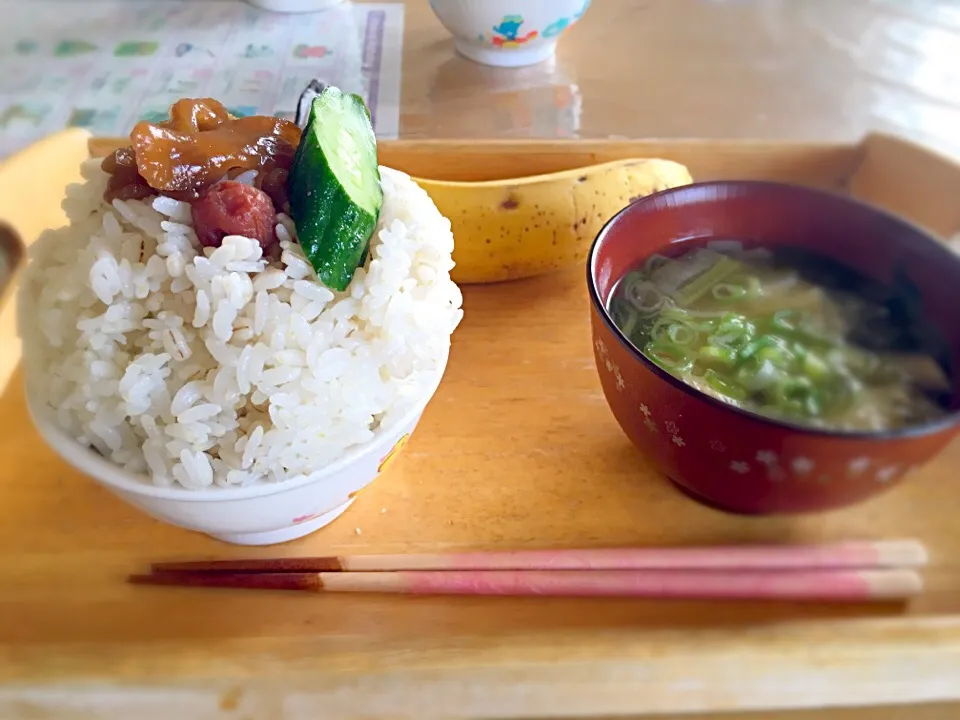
{"x":232,"y":208}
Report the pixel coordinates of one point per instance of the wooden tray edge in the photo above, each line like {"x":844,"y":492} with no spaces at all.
{"x":905,"y":177}
{"x":786,"y":666}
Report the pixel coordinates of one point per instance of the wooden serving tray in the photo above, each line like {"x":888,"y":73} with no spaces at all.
{"x":517,"y":449}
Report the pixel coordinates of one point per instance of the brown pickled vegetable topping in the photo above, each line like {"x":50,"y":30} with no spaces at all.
{"x":186,"y":163}
{"x":125,"y":182}
{"x":200,"y":145}
{"x":188,"y":115}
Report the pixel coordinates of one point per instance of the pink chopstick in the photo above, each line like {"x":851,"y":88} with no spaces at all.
{"x":801,"y":585}
{"x":859,"y":554}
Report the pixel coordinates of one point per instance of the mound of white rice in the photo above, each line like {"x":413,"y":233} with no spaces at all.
{"x":217,"y":367}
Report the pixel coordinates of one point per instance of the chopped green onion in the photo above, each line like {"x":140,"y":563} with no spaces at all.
{"x":727,"y":356}
{"x":732,"y":320}
{"x":764,"y":341}
{"x":672,"y":311}
{"x":838,"y":392}
{"x":758,"y":376}
{"x":812,"y":405}
{"x":697,"y":322}
{"x":796,"y":322}
{"x":669,"y":357}
{"x":732,"y":323}
{"x":628,"y":318}
{"x":794,"y":388}
{"x":815,"y":367}
{"x":643,"y":295}
{"x":700,"y":285}
{"x":788,"y":320}
{"x":705,"y":325}
{"x":790,"y":408}
{"x":681,"y":334}
{"x":657,"y":332}
{"x":724,"y":386}
{"x":733,"y":340}
{"x":779,"y":356}
{"x":728,"y":291}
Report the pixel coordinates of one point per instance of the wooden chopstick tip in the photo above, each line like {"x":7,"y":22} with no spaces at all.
{"x":281,"y":565}
{"x":892,"y":584}
{"x":308,"y":581}
{"x":901,"y":553}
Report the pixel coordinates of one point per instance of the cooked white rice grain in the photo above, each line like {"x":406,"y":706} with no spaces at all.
{"x":208,"y":368}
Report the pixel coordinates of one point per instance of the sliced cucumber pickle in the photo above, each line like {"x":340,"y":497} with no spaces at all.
{"x":334,"y":188}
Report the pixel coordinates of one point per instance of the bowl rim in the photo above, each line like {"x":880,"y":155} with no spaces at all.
{"x":109,"y":473}
{"x":952,"y":418}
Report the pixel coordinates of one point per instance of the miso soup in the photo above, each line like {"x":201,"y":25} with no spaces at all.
{"x":787,"y":334}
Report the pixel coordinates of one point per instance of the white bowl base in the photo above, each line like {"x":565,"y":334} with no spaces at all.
{"x":274,"y":537}
{"x":510,"y":57}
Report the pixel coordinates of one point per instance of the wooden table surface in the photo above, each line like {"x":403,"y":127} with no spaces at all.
{"x":776,"y":69}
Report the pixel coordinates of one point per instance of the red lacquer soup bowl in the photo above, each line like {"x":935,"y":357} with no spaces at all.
{"x":731,"y":458}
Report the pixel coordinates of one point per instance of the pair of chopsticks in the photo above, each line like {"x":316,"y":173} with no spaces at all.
{"x":839,"y":572}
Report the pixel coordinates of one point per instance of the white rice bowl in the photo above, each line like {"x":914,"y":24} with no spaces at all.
{"x":212,"y":368}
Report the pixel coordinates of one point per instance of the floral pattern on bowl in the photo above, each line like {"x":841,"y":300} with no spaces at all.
{"x":765,"y":468}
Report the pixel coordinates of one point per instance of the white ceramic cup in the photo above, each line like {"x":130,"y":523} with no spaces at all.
{"x":257,"y":515}
{"x":508,"y":33}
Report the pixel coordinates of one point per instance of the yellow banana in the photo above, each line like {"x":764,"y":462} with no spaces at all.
{"x":508,"y":229}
